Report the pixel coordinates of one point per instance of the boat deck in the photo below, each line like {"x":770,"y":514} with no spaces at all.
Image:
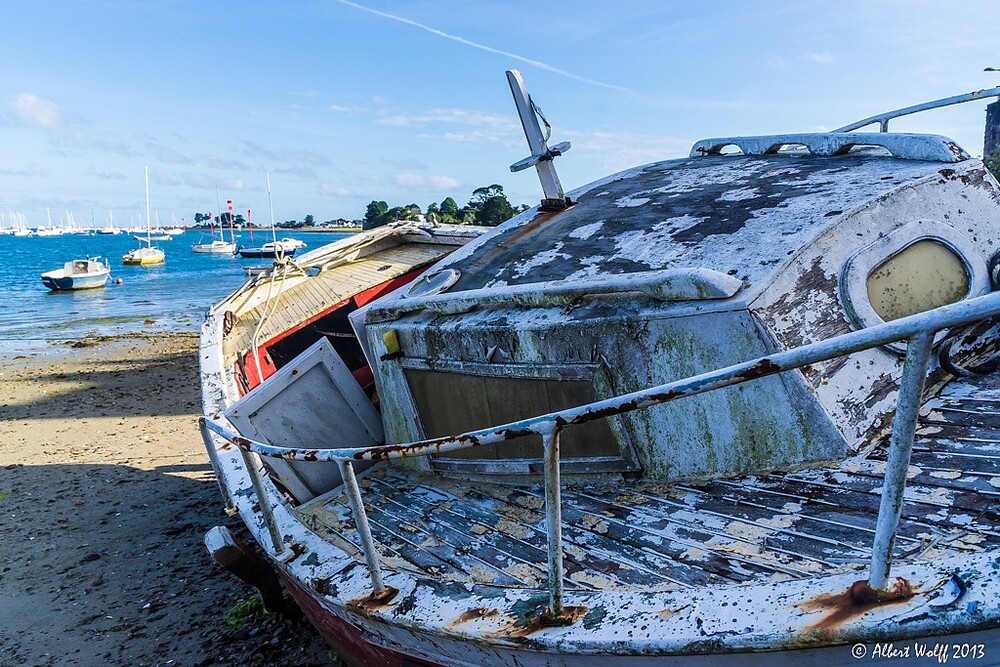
{"x":654,"y":536}
{"x":304,"y":298}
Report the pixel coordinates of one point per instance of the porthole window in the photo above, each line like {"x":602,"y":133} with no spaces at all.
{"x":917,"y":267}
{"x":924,"y":275}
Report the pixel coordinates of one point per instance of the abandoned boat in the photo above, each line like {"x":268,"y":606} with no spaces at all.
{"x":722,"y":405}
{"x":78,"y":274}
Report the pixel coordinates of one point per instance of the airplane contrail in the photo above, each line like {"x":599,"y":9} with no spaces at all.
{"x":483,"y":47}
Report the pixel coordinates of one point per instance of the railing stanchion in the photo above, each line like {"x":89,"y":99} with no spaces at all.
{"x":553,"y":518}
{"x":213,"y":456}
{"x":911,"y":386}
{"x":262,"y":502}
{"x":361,"y":521}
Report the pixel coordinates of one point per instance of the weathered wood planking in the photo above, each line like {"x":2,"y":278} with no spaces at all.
{"x":303,"y":298}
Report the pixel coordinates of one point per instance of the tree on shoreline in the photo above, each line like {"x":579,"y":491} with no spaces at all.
{"x":488,"y":207}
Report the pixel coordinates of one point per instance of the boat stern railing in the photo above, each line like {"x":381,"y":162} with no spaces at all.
{"x":917,"y":330}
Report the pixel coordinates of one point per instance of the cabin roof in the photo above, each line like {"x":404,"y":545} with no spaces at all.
{"x":739,"y":215}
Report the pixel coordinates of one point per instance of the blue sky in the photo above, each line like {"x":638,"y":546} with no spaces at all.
{"x":344,"y":102}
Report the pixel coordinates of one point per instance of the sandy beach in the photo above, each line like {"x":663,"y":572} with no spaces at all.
{"x":105,"y":494}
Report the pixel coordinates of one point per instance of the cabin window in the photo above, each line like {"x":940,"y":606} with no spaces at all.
{"x":917,"y":267}
{"x":923,"y":276}
{"x":450,"y":403}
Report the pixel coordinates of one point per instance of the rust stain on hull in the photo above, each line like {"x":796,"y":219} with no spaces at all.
{"x":545,"y":620}
{"x":854,"y":602}
{"x":472,"y":615}
{"x":372,"y":603}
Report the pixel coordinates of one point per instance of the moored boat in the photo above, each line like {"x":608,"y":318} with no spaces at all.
{"x":214,"y":247}
{"x":78,"y":274}
{"x":707,"y":409}
{"x":269,"y":250}
{"x":287,"y":242}
{"x":148,"y":254}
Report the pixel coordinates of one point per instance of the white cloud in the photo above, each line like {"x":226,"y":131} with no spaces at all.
{"x":296,"y":156}
{"x":822,"y":58}
{"x":407,"y":163}
{"x":336,"y":190}
{"x":74,"y":141}
{"x":615,"y":151}
{"x":478,"y":137}
{"x":299,"y":155}
{"x":452,"y":116}
{"x":300,"y":170}
{"x":217,"y":162}
{"x":466,"y":126}
{"x":30,"y":169}
{"x":30,"y":109}
{"x":167,"y":154}
{"x":420,"y":182}
{"x":110,"y":175}
{"x":340,"y":108}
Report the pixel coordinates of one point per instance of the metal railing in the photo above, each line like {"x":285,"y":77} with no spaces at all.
{"x":918,"y":330}
{"x":883,"y":118}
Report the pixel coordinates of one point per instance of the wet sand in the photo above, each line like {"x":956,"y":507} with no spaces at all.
{"x":105,"y":494}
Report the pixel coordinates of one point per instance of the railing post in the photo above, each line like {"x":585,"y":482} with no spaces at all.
{"x":361,"y":521}
{"x":213,"y":456}
{"x":265,"y":506}
{"x":911,"y":387}
{"x":553,"y":518}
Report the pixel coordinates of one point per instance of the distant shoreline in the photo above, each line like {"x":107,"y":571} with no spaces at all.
{"x":293,"y":230}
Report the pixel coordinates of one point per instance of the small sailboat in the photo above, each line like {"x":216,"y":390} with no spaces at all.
{"x":110,"y":229}
{"x":268,"y":251}
{"x":284,"y":248}
{"x":173,"y":229}
{"x":21,"y":226}
{"x":217,"y":246}
{"x":148,"y":254}
{"x":158,"y":233}
{"x":78,"y":274}
{"x":289,"y":243}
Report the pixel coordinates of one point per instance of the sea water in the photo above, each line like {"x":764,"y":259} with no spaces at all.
{"x":168,"y":297}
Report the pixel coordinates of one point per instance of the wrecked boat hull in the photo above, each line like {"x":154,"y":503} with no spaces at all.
{"x":708,"y":409}
{"x":385,"y":646}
